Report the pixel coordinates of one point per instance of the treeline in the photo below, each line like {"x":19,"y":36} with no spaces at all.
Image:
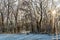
{"x":25,"y":15}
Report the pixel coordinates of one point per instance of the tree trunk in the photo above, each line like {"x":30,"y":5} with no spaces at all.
{"x":41,"y":16}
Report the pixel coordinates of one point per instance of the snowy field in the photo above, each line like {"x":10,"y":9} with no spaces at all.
{"x":26,"y":37}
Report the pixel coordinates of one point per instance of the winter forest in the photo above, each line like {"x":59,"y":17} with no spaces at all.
{"x":31,"y":16}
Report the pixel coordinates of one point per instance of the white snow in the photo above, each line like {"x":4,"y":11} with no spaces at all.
{"x":26,"y":37}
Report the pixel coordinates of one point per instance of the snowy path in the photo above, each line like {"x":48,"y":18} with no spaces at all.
{"x":25,"y":37}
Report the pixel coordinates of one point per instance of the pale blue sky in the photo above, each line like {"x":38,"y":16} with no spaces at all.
{"x":57,"y":3}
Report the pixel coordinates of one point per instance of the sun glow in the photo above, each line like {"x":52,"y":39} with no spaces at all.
{"x":54,"y":12}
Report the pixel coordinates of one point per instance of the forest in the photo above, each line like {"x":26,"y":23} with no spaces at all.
{"x":31,"y":16}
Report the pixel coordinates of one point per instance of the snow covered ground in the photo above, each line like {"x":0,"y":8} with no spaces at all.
{"x":25,"y":37}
